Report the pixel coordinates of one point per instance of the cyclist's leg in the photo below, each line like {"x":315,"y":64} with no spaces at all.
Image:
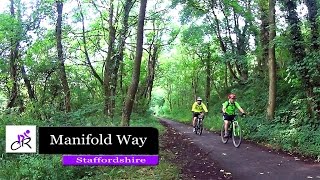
{"x":226,"y":124}
{"x":195,"y":115}
{"x":227,"y":121}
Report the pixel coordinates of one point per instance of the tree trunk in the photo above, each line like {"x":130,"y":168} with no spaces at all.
{"x":226,"y":76}
{"x":13,"y":66}
{"x":153,"y":56}
{"x":272,"y":62}
{"x":195,"y":86}
{"x":313,"y":9}
{"x":264,"y":36}
{"x":108,"y":65}
{"x":118,"y":58}
{"x":151,"y":72}
{"x":28,"y":84}
{"x":222,"y":44}
{"x":136,"y":69}
{"x":169,"y":97}
{"x":63,"y":75}
{"x":84,"y":41}
{"x":241,"y":66}
{"x":208,"y":78}
{"x":298,"y":51}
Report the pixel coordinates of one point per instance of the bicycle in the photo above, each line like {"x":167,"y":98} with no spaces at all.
{"x":199,"y":126}
{"x":234,"y":132}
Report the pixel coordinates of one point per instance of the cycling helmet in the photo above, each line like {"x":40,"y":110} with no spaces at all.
{"x":232,"y":96}
{"x":199,"y":99}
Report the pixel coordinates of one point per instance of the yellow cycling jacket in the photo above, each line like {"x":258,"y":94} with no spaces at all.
{"x":199,"y":108}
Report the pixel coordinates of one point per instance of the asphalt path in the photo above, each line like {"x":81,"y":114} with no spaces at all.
{"x":249,"y":161}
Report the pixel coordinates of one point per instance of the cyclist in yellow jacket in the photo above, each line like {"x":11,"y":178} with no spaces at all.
{"x":198,"y":108}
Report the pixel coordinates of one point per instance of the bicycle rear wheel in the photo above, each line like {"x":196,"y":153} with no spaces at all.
{"x":223,"y":139}
{"x":236,"y":135}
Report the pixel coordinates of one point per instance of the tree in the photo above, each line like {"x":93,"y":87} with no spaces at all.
{"x":313,"y":9}
{"x":84,"y":41}
{"x":13,"y":63}
{"x":264,"y":36}
{"x":136,"y":69}
{"x":63,"y":75}
{"x":314,"y":69}
{"x":118,"y":57}
{"x":272,"y":61}
{"x":298,"y":52}
{"x":108,"y":64}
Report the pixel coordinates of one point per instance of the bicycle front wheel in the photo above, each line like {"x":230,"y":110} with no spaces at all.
{"x":236,"y":135}
{"x":200,"y":128}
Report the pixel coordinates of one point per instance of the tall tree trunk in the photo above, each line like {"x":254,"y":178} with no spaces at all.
{"x":13,"y":65}
{"x":108,"y":65}
{"x":264,"y":36}
{"x":272,"y":62}
{"x":208,"y":78}
{"x":241,"y":66}
{"x":226,"y":76}
{"x":84,"y":41}
{"x":27,"y":84}
{"x":313,"y":9}
{"x":152,"y":71}
{"x":63,"y":76}
{"x":195,"y":86}
{"x":298,"y":51}
{"x":152,"y":59}
{"x":169,"y":97}
{"x":222,"y":44}
{"x":136,"y":69}
{"x":118,"y":58}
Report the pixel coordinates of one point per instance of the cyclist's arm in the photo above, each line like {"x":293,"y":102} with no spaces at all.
{"x":205,"y":108}
{"x":241,"y":110}
{"x":224,"y":108}
{"x":239,"y":107}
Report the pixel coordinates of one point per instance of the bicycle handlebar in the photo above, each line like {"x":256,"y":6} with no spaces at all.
{"x":242,"y":115}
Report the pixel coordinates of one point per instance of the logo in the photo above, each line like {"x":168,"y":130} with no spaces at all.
{"x":21,"y":139}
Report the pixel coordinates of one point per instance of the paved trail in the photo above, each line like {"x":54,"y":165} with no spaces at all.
{"x":248,"y":162}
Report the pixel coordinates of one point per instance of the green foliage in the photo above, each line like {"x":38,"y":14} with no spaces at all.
{"x":192,"y":9}
{"x":39,"y":167}
{"x":10,"y":28}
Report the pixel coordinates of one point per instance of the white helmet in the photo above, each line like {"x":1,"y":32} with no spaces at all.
{"x":199,"y":99}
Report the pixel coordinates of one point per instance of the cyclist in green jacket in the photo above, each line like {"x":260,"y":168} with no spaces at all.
{"x":229,"y":110}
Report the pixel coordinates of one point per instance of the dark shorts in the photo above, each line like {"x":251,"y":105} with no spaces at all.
{"x":229,"y":117}
{"x":196,"y":114}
